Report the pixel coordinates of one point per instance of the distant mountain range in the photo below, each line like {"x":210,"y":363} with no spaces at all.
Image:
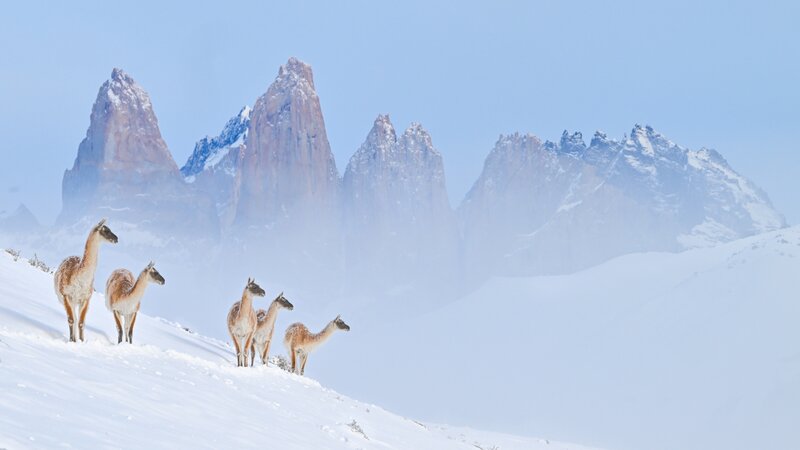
{"x":269,"y":181}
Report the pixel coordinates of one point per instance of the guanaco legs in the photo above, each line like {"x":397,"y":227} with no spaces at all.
{"x":242,"y":321}
{"x":265,"y":327}
{"x":74,"y":279}
{"x":124,"y":295}
{"x":300,"y":342}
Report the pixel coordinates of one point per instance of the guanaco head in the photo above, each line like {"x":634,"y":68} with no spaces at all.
{"x":105,"y":232}
{"x":153,"y":273}
{"x":254,"y":289}
{"x":284,"y":302}
{"x":340,"y":324}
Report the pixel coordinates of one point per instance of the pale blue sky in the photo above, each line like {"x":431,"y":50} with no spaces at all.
{"x":721,"y":74}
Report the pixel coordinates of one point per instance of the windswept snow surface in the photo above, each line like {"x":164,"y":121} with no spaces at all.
{"x":176,"y":389}
{"x":658,"y":351}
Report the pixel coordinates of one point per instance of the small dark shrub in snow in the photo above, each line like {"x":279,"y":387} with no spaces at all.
{"x":13,"y":253}
{"x":281,"y":362}
{"x":357,"y":428}
{"x":39,"y":264}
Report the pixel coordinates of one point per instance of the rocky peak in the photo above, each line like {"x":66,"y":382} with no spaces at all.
{"x":412,"y":154}
{"x":640,"y":140}
{"x":396,"y":206}
{"x":382,"y":136}
{"x":513,"y":149}
{"x":287,"y":161}
{"x":123,"y":130}
{"x":295,"y":74}
{"x":641,"y":193}
{"x":124,"y":169}
{"x":572,"y":143}
{"x":122,"y":91}
{"x":600,"y":139}
{"x":417,"y":140}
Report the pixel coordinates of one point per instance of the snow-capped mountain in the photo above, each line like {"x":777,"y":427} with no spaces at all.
{"x":269,"y":182}
{"x":287,"y":169}
{"x":213,"y":166}
{"x":557,"y":207}
{"x":396,"y":208}
{"x":124,"y":170}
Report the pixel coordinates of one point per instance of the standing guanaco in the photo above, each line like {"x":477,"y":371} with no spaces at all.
{"x":300,"y":342}
{"x":242,"y":321}
{"x":124,"y":296}
{"x":265,"y":327}
{"x":74,"y":279}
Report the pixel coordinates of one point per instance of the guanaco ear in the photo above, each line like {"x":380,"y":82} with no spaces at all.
{"x":101,"y":223}
{"x":150,"y":265}
{"x":280,"y":295}
{"x":338,"y":317}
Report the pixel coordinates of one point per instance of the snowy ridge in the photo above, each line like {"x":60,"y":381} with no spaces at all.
{"x":557,"y":207}
{"x":121,"y":89}
{"x":175,"y":388}
{"x":210,"y":151}
{"x":294,"y":77}
{"x":403,"y":159}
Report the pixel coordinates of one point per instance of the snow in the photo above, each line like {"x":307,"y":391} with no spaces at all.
{"x":568,"y":206}
{"x":175,"y":388}
{"x":210,"y":152}
{"x":641,"y":138}
{"x":694,"y":350}
{"x":707,"y":234}
{"x":745,"y":194}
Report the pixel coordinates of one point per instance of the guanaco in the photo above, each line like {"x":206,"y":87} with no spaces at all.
{"x":242,"y":321}
{"x":124,"y":296}
{"x":300,"y":342}
{"x":265,"y":327}
{"x":74,"y":279}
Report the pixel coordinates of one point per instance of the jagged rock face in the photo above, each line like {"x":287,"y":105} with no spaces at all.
{"x":210,"y":151}
{"x":556,"y":208}
{"x":213,"y":166}
{"x":397,"y":213}
{"x":287,"y":170}
{"x":124,"y":169}
{"x":393,"y":179}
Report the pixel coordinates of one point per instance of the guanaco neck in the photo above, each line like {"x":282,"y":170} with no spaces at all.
{"x":323,"y":335}
{"x":89,"y":260}
{"x":137,"y":291}
{"x":272,"y":311}
{"x":247,"y":300}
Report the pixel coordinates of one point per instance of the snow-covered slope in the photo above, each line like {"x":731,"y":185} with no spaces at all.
{"x":694,"y":350}
{"x":175,"y":389}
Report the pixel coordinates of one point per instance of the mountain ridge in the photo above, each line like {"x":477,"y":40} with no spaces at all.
{"x":269,"y":182}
